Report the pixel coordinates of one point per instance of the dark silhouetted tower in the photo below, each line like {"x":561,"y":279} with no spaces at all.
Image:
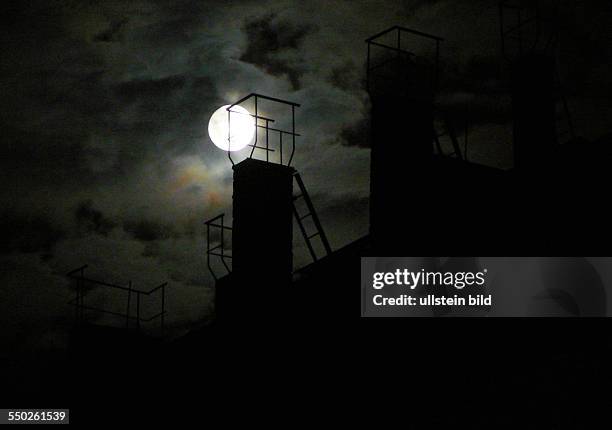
{"x":528,"y":43}
{"x":533,"y":105}
{"x":263,"y":224}
{"x":256,"y":286}
{"x":401,"y":88}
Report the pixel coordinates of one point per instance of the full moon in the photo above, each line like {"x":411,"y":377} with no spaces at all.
{"x":242,"y":128}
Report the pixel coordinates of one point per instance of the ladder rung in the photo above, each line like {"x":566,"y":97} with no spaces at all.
{"x":305,"y":216}
{"x":297,"y":196}
{"x":314,"y":235}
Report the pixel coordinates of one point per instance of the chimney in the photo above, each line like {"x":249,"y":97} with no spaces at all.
{"x":533,"y":105}
{"x":401,"y":89}
{"x":263,"y":222}
{"x":528,"y":43}
{"x":256,"y":286}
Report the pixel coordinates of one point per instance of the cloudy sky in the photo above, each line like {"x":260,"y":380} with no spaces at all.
{"x":105,"y":155}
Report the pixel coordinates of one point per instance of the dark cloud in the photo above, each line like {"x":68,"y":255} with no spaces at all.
{"x":147,"y":230}
{"x":348,"y":76}
{"x":112,"y":33}
{"x":93,"y":220}
{"x":26,"y":233}
{"x":149,"y":90}
{"x":357,"y":134}
{"x":267,"y":38}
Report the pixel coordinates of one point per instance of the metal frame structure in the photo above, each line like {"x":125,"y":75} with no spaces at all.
{"x":217,"y":250}
{"x":266,"y":126}
{"x":78,"y":302}
{"x":374,"y":41}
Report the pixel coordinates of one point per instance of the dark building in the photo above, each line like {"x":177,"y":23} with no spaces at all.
{"x":427,"y":202}
{"x":262,"y":254}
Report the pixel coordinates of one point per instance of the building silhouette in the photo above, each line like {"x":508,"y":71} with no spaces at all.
{"x":424,"y":201}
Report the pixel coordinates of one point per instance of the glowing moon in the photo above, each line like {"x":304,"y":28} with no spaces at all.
{"x":242,"y":128}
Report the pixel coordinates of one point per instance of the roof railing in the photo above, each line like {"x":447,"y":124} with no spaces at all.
{"x":397,"y":47}
{"x":219,"y":251}
{"x":291,"y":133}
{"x":82,"y":282}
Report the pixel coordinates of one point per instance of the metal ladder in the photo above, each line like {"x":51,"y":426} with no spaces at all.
{"x":303,"y":194}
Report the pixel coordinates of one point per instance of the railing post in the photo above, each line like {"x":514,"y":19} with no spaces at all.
{"x":163,"y":307}
{"x":437,"y":83}
{"x":127,"y":314}
{"x":281,"y":147}
{"x":292,"y":134}
{"x":77,"y":302}
{"x":138,"y":309}
{"x":81,"y":294}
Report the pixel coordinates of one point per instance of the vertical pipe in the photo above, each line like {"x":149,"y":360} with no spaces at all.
{"x":127,"y":314}
{"x":267,"y":142}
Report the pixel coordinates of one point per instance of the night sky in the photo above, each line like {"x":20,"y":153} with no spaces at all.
{"x":106,"y":159}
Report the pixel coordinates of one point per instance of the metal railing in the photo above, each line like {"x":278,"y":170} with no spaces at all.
{"x":399,"y":51}
{"x":82,"y":284}
{"x":218,"y":250}
{"x":525,"y":25}
{"x":291,"y":134}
